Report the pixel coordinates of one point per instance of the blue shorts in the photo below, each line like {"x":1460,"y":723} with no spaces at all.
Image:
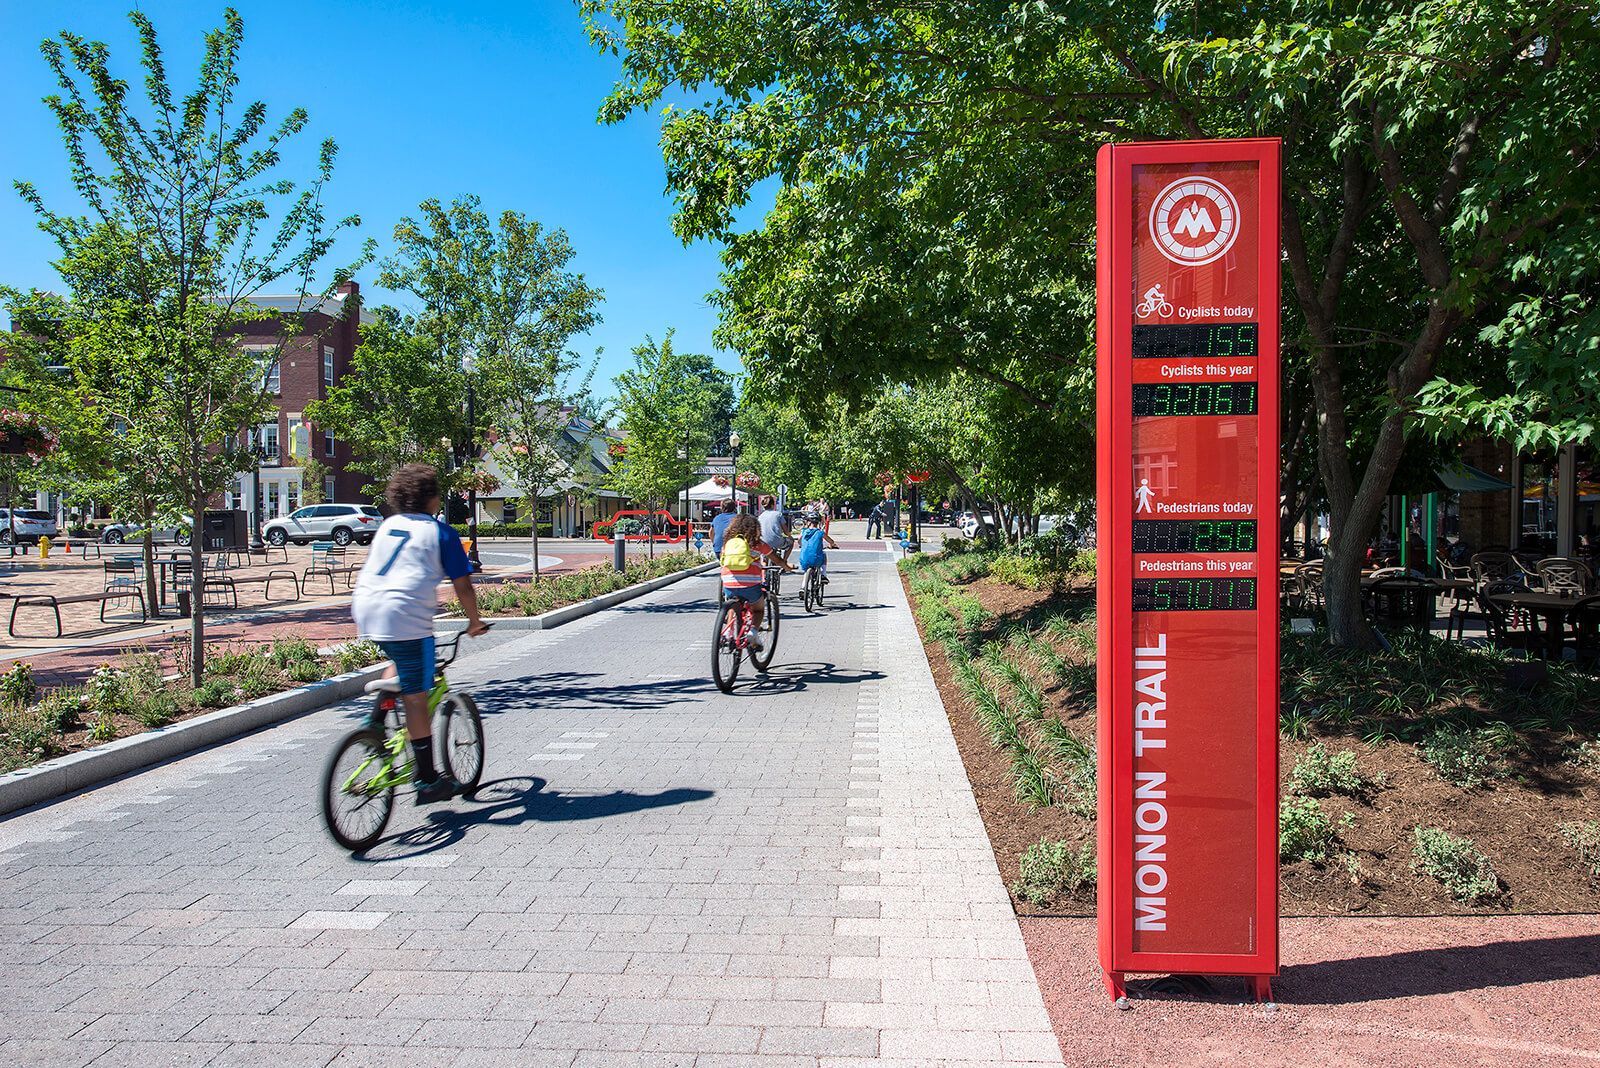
{"x":751,"y":594}
{"x":413,"y":663}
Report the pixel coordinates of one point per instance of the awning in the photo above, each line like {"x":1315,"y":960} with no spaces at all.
{"x":1464,"y":478}
{"x":710,"y":491}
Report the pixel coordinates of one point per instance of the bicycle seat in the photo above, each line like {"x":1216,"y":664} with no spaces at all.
{"x":382,"y":686}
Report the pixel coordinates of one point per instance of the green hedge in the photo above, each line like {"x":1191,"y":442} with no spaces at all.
{"x":533,"y":598}
{"x":504,"y":530}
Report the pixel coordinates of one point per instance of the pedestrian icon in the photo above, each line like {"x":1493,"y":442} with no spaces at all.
{"x":1143,"y":495}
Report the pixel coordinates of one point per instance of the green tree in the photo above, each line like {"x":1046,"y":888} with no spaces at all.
{"x":934,"y":209}
{"x":500,"y":304}
{"x":670,"y":406}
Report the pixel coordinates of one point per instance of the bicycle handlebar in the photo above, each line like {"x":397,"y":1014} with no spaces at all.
{"x":444,"y":653}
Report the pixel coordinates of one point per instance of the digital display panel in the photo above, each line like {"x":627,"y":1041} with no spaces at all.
{"x":1194,"y":536}
{"x":1194,"y":595}
{"x":1194,"y":398}
{"x":1195,"y":339}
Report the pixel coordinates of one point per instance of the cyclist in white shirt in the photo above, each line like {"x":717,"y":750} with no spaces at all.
{"x":397,"y":595}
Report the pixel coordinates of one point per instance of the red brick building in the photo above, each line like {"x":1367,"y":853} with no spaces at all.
{"x":311,"y":361}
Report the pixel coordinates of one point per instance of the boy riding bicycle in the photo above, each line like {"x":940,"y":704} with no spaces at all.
{"x":743,"y":576}
{"x":397,"y":595}
{"x":813,"y":537}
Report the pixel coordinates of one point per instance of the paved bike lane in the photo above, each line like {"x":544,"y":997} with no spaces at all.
{"x":654,"y":874}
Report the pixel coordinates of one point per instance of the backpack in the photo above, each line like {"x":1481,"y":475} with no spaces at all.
{"x":736,"y":554}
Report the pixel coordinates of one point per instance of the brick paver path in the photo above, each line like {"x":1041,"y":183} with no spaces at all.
{"x":654,"y":874}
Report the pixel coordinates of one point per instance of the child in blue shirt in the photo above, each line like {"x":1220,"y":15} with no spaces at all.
{"x":812,"y":539}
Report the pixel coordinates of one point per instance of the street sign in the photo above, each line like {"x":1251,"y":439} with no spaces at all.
{"x":915,"y":477}
{"x":1187,"y":399}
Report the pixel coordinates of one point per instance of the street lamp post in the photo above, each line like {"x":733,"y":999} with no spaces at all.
{"x":683,"y":454}
{"x":733,"y":460}
{"x":472,"y":487}
{"x":258,"y":454}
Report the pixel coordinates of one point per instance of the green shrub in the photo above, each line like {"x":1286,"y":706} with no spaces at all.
{"x":955,"y":545}
{"x":1319,"y":773}
{"x":1304,"y":831}
{"x":25,"y":737}
{"x":103,"y":727}
{"x":287,"y":651}
{"x":1587,"y":756}
{"x":106,"y":689}
{"x":1585,"y":838}
{"x":355,"y":655}
{"x":1456,"y":863}
{"x":1465,"y":757}
{"x":156,"y":709}
{"x":215,"y":693}
{"x":61,"y":709}
{"x":17,"y":687}
{"x":1027,"y":572}
{"x":305,"y":671}
{"x":1050,"y":869}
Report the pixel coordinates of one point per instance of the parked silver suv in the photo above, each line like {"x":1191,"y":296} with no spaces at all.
{"x":25,"y":525}
{"x":338,"y":523}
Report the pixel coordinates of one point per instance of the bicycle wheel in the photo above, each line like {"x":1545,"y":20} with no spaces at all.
{"x":355,"y":810}
{"x":763,"y":659}
{"x":805,"y":592}
{"x":461,"y":744}
{"x":725,"y":652}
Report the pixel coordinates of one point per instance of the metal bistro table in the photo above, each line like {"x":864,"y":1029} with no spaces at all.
{"x":1552,"y":610}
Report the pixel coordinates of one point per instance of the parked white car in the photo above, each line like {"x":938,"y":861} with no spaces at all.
{"x":26,"y":525}
{"x":338,"y":523}
{"x":117,"y":533}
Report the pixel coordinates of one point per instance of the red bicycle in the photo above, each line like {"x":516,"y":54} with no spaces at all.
{"x":736,"y":622}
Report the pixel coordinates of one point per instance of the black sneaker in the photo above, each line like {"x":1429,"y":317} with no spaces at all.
{"x":441,"y":789}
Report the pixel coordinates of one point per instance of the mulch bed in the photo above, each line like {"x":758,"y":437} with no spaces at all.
{"x":1516,"y":822}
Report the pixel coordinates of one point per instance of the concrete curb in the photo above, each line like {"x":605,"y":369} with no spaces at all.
{"x":26,"y":787}
{"x":76,"y":771}
{"x":567,"y":613}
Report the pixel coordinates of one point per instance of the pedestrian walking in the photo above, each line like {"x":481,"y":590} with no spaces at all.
{"x":875,"y":521}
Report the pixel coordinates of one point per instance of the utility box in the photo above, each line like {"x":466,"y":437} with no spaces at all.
{"x":225,"y":529}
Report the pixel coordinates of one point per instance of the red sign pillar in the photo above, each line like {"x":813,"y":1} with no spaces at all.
{"x":1187,"y":481}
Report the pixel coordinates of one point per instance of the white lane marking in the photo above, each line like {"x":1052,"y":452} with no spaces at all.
{"x":584,"y":734}
{"x":339,"y":921}
{"x":572,"y":745}
{"x":556,"y":756}
{"x":381,"y":887}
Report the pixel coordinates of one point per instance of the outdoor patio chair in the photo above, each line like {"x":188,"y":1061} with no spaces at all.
{"x":1559,"y":574}
{"x":121,"y":571}
{"x":1494,"y":567}
{"x":1586,"y":629}
{"x":1510,"y":630}
{"x":1404,"y":600}
{"x":1309,"y":578}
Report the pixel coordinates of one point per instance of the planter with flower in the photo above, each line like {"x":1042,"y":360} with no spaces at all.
{"x":22,"y":434}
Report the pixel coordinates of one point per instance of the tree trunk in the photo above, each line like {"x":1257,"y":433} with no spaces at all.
{"x":148,"y":553}
{"x":536,"y":534}
{"x":197,"y":600}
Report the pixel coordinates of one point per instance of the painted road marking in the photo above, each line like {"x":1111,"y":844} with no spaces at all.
{"x":338,"y":921}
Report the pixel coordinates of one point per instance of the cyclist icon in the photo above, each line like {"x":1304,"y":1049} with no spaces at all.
{"x":1155,"y":303}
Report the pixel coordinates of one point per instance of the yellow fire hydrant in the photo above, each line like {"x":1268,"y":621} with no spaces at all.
{"x":44,"y":548}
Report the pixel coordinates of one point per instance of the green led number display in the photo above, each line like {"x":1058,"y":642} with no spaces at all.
{"x":1188,"y":340}
{"x":1154,"y":399}
{"x":1157,"y":536}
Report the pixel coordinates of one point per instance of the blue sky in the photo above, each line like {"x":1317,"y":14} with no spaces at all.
{"x":425,"y":98}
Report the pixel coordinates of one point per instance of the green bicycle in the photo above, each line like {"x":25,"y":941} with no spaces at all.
{"x":370,"y":762}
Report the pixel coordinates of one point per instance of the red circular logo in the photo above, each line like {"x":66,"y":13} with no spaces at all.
{"x":1194,"y":220}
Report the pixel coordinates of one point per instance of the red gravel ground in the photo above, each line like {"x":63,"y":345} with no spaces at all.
{"x":1502,"y":991}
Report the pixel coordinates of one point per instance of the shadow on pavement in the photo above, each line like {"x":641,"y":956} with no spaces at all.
{"x":580,"y":690}
{"x":790,"y":678}
{"x":513,"y":801}
{"x":1446,"y":970}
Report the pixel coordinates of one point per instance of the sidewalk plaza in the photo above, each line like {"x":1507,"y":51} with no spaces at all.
{"x":657,"y":874}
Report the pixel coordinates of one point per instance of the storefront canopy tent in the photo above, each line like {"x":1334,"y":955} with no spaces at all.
{"x":710,"y":491}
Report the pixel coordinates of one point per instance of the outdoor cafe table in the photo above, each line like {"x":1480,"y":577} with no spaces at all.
{"x":1552,"y":608}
